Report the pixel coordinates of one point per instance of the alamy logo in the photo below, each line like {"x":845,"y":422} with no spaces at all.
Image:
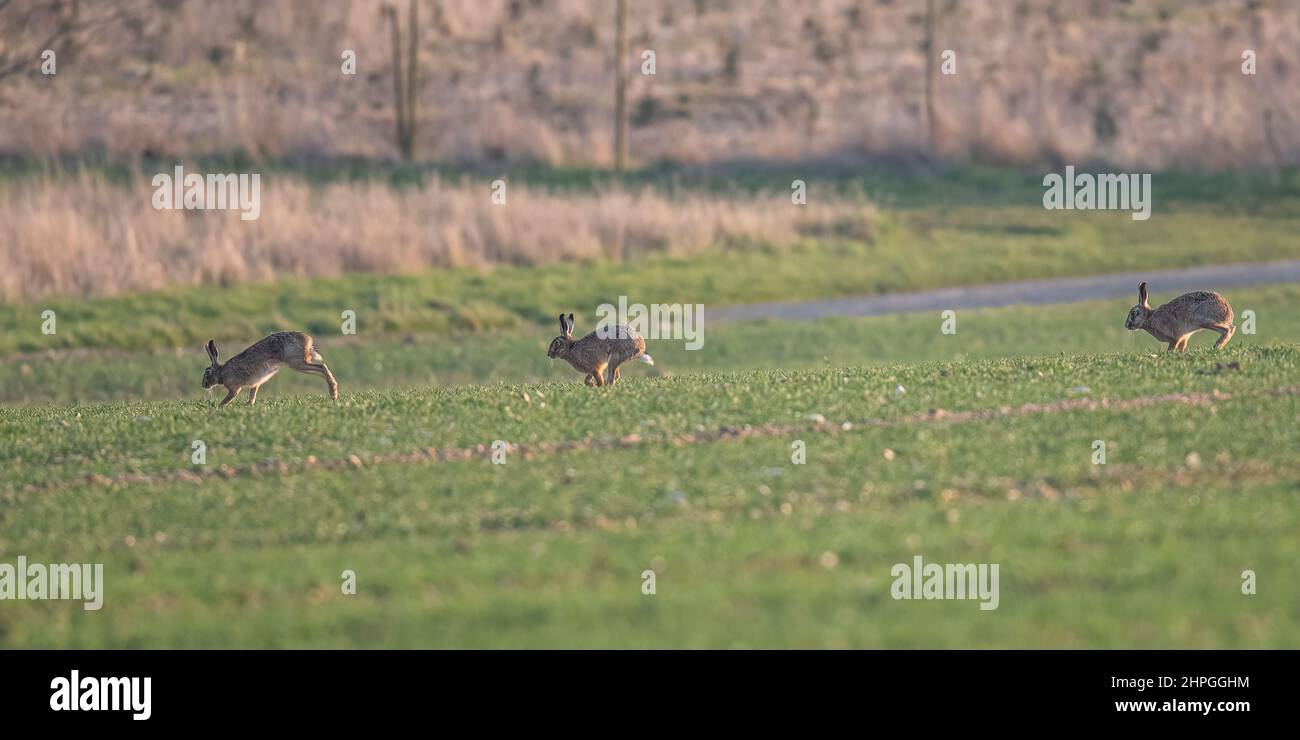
{"x":1107,"y":192}
{"x":657,"y":321}
{"x":949,"y":581}
{"x":39,"y":581}
{"x":91,"y":694}
{"x":212,"y":192}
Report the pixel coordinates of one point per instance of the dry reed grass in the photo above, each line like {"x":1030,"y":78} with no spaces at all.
{"x":84,"y":236}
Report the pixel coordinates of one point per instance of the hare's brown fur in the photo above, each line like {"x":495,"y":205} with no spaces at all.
{"x":257,"y":364}
{"x":1176,"y":321}
{"x":599,"y":354}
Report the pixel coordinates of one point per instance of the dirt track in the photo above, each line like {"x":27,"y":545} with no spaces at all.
{"x":1220,"y":278}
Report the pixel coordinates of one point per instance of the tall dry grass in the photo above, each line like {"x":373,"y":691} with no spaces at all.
{"x":83,"y":236}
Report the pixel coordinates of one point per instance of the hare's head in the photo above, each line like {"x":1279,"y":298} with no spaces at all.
{"x":1137,"y":316}
{"x":561,"y":344}
{"x":211,"y":373}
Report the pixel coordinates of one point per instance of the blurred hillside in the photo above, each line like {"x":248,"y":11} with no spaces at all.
{"x":1155,"y":84}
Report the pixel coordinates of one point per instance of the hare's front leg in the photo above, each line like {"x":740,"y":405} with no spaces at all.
{"x":589,"y":380}
{"x":598,"y":373}
{"x":230,"y":394}
{"x":252,"y":394}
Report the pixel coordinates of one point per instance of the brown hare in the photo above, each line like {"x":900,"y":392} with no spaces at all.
{"x":1182,"y":317}
{"x":600,"y":352}
{"x":255,"y":365}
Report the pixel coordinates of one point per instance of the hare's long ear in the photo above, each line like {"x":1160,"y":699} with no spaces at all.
{"x":1142,"y":294}
{"x":570,"y":324}
{"x":212,"y":352}
{"x":564,"y":328}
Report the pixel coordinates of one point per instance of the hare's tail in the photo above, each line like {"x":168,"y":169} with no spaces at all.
{"x":647,"y":359}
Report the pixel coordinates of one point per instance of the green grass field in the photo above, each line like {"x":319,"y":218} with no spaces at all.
{"x":375,"y":361}
{"x":975,"y":447}
{"x":691,"y":477}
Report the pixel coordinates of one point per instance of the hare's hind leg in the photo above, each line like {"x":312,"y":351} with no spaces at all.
{"x":613,"y":374}
{"x":1225,"y":333}
{"x":330,"y":381}
{"x":252,"y":394}
{"x":312,"y":359}
{"x":303,"y":366}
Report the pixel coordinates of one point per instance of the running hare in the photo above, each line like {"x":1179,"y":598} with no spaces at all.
{"x":1182,"y":317}
{"x":599,"y":351}
{"x":255,"y":365}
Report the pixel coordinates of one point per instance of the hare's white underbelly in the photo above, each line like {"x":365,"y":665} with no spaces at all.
{"x":264,"y":373}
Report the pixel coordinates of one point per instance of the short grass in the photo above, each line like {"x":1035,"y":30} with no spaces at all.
{"x":748,"y":548}
{"x":374,"y":361}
